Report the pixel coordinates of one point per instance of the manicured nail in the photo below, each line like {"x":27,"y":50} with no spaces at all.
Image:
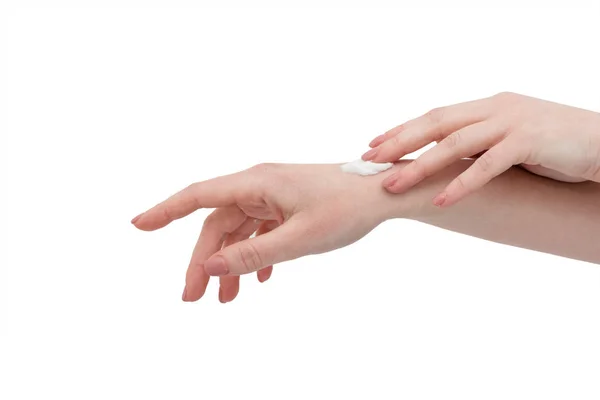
{"x":440,"y":199}
{"x":184,"y":295}
{"x":377,"y":141}
{"x":369,"y":155}
{"x":133,"y":221}
{"x":216,"y":266}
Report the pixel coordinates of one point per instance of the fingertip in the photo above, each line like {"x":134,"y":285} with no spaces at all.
{"x":136,"y":218}
{"x":147,"y":221}
{"x":193,"y":291}
{"x":370,"y":155}
{"x":184,"y":294}
{"x":440,"y":199}
{"x":377,"y":141}
{"x":395,"y":188}
{"x":264,"y":274}
{"x":216,"y":266}
{"x":228,"y":293}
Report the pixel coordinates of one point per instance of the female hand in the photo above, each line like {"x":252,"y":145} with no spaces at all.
{"x":297,"y":210}
{"x":546,"y":138}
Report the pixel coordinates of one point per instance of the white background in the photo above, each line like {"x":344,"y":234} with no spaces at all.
{"x":109,"y":110}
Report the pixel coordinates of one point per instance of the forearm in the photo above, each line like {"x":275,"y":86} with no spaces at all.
{"x":516,"y":208}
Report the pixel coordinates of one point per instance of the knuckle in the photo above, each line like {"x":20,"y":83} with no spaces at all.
{"x":210,"y":220}
{"x":453,"y":140}
{"x":264,"y":168}
{"x":459,"y":184}
{"x":167,"y":215}
{"x":436,"y":115}
{"x":485,"y":162}
{"x":193,"y":189}
{"x":249,"y":258}
{"x":419,"y":168}
{"x":504,"y":96}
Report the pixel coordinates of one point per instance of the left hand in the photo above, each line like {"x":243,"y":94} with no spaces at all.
{"x":296,"y":210}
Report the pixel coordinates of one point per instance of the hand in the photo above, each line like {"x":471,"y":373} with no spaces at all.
{"x":548,"y":139}
{"x":297,"y":210}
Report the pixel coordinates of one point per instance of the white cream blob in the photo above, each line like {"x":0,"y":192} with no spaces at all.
{"x":360,"y":167}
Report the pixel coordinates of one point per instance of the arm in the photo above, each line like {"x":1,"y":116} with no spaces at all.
{"x":516,"y":208}
{"x":297,"y":210}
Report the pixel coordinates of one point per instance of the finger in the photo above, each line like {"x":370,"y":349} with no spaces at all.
{"x":229,"y":285}
{"x":387,"y":135}
{"x":216,"y":226}
{"x":465,"y":142}
{"x":491,"y":164}
{"x":264,"y":274}
{"x":434,"y":125}
{"x":287,"y":242}
{"x":216,"y":192}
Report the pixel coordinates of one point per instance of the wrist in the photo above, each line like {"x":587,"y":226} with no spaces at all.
{"x":408,"y":205}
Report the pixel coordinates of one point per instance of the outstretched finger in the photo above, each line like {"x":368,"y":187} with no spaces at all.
{"x":491,"y":164}
{"x":432,"y":126}
{"x":463,"y":143}
{"x":216,"y":192}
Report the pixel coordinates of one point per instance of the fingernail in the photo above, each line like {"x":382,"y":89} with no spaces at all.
{"x":369,"y":155}
{"x":184,"y":295}
{"x":216,"y":266}
{"x":440,"y":199}
{"x":221,"y":295}
{"x":133,"y":221}
{"x":377,"y":141}
{"x":390,"y":181}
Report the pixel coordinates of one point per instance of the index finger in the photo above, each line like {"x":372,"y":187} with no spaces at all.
{"x":216,"y":192}
{"x":432,"y":126}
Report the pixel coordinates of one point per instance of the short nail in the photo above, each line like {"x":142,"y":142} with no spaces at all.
{"x":221,"y":295}
{"x":439,"y":200}
{"x":216,"y":266}
{"x":369,"y":155}
{"x":390,"y":181}
{"x":133,"y":221}
{"x":184,"y":295}
{"x":377,"y":141}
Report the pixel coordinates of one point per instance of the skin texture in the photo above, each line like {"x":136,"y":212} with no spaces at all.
{"x":310,"y":209}
{"x":507,"y":129}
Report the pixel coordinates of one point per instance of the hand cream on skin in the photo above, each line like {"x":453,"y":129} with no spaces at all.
{"x":360,"y":167}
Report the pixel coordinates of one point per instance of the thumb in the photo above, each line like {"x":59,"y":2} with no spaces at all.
{"x":286,"y":242}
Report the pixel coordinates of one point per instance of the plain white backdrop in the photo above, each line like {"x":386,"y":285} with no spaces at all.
{"x":107,"y":111}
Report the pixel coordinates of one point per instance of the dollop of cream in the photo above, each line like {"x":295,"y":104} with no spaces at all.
{"x":360,"y":167}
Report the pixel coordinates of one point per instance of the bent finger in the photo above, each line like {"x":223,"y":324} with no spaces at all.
{"x":214,"y":231}
{"x":264,"y":274}
{"x":229,"y":285}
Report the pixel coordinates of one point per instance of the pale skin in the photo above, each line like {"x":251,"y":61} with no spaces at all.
{"x":546,"y":138}
{"x":309,"y":209}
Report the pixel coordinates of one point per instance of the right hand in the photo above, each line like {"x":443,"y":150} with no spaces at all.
{"x":301,"y":209}
{"x":548,"y":139}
